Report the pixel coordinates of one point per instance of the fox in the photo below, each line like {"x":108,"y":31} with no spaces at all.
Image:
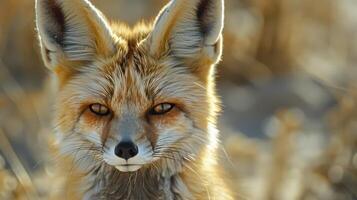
{"x":135,"y":108}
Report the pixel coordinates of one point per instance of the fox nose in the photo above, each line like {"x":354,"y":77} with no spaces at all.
{"x":126,"y":150}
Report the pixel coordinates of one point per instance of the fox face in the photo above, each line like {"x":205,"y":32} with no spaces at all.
{"x":132,"y":98}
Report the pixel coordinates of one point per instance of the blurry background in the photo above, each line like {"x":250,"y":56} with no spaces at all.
{"x":287,"y":80}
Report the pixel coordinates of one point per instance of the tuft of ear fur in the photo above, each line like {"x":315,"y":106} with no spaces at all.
{"x":189,"y":30}
{"x":72,"y":31}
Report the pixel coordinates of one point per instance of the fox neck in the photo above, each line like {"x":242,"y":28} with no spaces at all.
{"x":146,"y":183}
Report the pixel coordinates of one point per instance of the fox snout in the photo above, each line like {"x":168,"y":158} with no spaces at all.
{"x":127,"y":146}
{"x":128,"y":155}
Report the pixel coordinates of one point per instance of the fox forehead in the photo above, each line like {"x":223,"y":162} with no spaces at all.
{"x":132,"y":76}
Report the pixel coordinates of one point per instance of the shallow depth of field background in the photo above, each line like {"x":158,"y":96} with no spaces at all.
{"x":288,"y":82}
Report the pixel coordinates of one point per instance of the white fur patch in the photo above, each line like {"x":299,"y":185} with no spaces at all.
{"x":143,"y":157}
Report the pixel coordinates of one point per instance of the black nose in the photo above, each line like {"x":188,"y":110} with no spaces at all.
{"x":126,"y":150}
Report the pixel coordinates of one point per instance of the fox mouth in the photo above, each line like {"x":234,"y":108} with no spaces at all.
{"x":128,"y":167}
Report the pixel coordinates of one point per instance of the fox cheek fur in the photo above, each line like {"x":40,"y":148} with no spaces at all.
{"x":137,"y":99}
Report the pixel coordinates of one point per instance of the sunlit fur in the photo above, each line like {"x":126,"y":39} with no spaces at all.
{"x":129,"y":71}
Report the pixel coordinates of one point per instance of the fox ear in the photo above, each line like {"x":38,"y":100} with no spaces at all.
{"x":189,"y":30}
{"x":72,"y":31}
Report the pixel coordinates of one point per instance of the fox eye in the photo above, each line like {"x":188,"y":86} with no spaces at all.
{"x":99,"y":109}
{"x":161,"y":108}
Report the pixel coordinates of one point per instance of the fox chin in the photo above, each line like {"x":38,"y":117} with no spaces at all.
{"x":135,"y":107}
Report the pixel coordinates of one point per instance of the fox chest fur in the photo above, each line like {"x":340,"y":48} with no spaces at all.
{"x":135,"y":108}
{"x":142,"y":185}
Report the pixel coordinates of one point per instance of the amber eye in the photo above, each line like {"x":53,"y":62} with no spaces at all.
{"x":99,"y":109}
{"x":161,"y":109}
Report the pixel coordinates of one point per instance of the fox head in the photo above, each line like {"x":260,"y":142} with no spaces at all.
{"x":137,"y":97}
